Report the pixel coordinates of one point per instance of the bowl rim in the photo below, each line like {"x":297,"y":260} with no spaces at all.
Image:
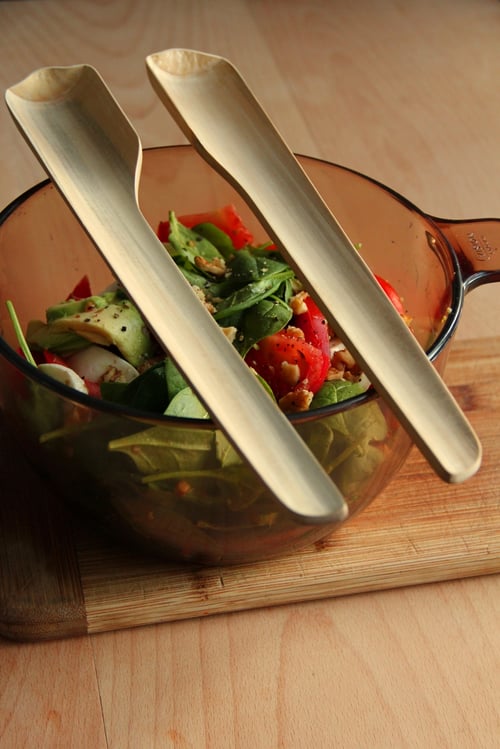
{"x":69,"y":394}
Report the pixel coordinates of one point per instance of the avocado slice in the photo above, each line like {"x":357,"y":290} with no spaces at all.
{"x":117,"y":324}
{"x":73,"y":306}
{"x":41,"y":336}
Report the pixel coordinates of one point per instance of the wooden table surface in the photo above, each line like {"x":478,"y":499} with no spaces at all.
{"x":408,"y":93}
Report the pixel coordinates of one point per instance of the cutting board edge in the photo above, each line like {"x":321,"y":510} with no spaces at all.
{"x":97,"y":624}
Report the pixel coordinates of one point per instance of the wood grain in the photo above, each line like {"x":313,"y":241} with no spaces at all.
{"x":277,"y":677}
{"x":38,"y":705}
{"x":407,"y":93}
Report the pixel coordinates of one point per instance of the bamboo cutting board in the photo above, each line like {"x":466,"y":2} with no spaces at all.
{"x":59,"y":578}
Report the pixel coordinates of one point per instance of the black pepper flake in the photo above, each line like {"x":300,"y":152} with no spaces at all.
{"x":123,"y":328}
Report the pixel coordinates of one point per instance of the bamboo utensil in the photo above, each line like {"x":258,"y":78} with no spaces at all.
{"x":93,"y":155}
{"x":212,"y":104}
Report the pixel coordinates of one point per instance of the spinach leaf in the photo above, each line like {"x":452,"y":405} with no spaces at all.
{"x":262,"y":319}
{"x":187,"y":405}
{"x":186,"y":244}
{"x":270,"y":266}
{"x":169,"y":449}
{"x":196,"y":278}
{"x":175,"y":380}
{"x":286,"y":290}
{"x":217,"y":237}
{"x":335,"y":392}
{"x":244,"y":268}
{"x":249,"y":295}
{"x":147,"y":392}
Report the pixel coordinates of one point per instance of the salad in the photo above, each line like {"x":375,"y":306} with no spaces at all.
{"x":99,"y":344}
{"x":178,"y":485}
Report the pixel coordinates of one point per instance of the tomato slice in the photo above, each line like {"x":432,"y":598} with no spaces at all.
{"x":287,"y":363}
{"x":93,"y":388}
{"x":227,"y":219}
{"x":81,"y":290}
{"x":314,"y":325}
{"x":392,"y":294}
{"x":50,"y":358}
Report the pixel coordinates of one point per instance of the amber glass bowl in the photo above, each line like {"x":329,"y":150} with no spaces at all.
{"x":163,"y":484}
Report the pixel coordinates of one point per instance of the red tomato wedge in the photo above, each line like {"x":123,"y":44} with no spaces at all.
{"x":81,"y":290}
{"x":392,"y":295}
{"x":48,"y":357}
{"x":288,"y":363}
{"x":314,"y":325}
{"x":227,"y":219}
{"x":94,"y":389}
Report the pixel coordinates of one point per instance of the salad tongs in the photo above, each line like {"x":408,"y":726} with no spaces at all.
{"x":217,"y":112}
{"x":93,"y":155}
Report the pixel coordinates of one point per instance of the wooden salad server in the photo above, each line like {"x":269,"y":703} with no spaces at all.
{"x":219,"y":115}
{"x":93,"y":155}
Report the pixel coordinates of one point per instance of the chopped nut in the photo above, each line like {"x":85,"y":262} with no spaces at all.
{"x":346,"y":357}
{"x":291,"y":330}
{"x":230,"y":333}
{"x":297,"y":401}
{"x":343,"y":362}
{"x":216,"y":266}
{"x":290,"y":372}
{"x":298,"y":303}
{"x":335,"y":373}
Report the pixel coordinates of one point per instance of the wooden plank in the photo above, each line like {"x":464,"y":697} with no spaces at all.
{"x":59,"y":577}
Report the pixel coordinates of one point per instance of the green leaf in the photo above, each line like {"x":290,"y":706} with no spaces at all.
{"x":19,"y":333}
{"x":194,"y":277}
{"x":185,"y":404}
{"x":286,"y":290}
{"x":175,"y":380}
{"x":247,"y":296}
{"x":165,"y":449}
{"x":266,"y":386}
{"x":148,"y":392}
{"x":244,"y":268}
{"x":187,"y":244}
{"x":262,"y":319}
{"x":217,"y":237}
{"x":335,"y":392}
{"x":248,"y":267}
{"x":227,"y":456}
{"x":271,"y":266}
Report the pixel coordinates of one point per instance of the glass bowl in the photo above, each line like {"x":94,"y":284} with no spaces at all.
{"x":164,"y":484}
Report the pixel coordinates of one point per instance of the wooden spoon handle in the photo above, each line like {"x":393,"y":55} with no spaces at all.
{"x":220,"y":116}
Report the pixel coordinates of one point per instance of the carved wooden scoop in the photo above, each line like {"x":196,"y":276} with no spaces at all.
{"x":220,"y":116}
{"x":93,"y":155}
